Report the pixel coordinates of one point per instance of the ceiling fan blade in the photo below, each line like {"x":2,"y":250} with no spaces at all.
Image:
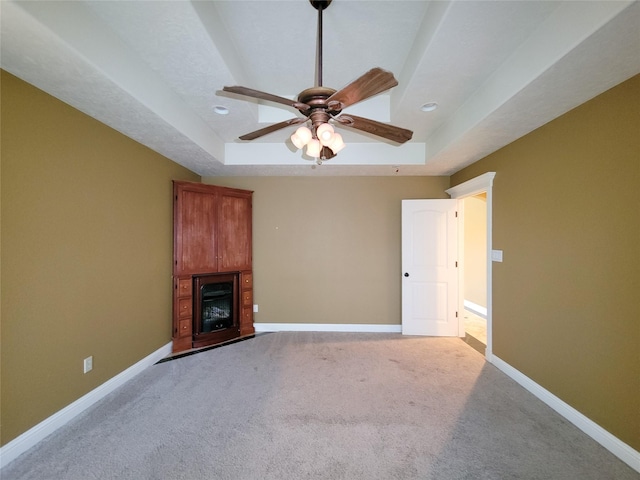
{"x":371,"y":83}
{"x":395,"y":134}
{"x":249,"y":92}
{"x":272,"y":128}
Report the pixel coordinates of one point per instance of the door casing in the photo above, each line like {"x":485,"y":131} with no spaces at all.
{"x":482,"y":183}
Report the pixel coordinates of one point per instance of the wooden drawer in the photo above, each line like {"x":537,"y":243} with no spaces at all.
{"x":246,"y":321}
{"x":185,"y":307}
{"x":184,"y":329}
{"x":247,"y":280}
{"x":184,"y":287}
{"x":247,"y":298}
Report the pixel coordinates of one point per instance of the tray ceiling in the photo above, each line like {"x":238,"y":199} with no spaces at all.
{"x":154,"y":71}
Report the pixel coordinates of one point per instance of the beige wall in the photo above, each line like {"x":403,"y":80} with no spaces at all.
{"x":327,"y":249}
{"x":86,"y":253}
{"x":565,"y":299}
{"x":475,"y":249}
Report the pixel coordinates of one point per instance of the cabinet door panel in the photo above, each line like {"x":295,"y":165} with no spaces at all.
{"x":196,"y":233}
{"x":234,"y":239}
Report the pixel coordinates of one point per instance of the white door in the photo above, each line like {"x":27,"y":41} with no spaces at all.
{"x":429,"y":267}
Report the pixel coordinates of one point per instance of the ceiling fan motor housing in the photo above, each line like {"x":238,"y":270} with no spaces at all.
{"x":316,"y":98}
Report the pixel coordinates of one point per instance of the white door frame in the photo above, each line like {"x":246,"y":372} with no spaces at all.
{"x":480,"y":184}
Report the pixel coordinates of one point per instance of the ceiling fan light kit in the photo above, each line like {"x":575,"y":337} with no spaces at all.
{"x":314,"y":148}
{"x":336,"y":143}
{"x":321,"y":104}
{"x":325,"y":133}
{"x":301,"y":137}
{"x":325,"y":137}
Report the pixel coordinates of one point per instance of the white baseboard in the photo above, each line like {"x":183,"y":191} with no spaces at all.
{"x":326,"y":327}
{"x":624,"y":452}
{"x":475,"y":308}
{"x":31,"y":437}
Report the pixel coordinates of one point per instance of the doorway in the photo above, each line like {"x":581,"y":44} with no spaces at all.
{"x":480,"y":187}
{"x":474,"y":281}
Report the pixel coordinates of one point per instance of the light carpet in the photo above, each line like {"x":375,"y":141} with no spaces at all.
{"x":308,"y":405}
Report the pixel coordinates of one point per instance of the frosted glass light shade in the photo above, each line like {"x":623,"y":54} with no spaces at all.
{"x":325,"y":134}
{"x":313,"y":148}
{"x":301,"y":137}
{"x":337,"y":143}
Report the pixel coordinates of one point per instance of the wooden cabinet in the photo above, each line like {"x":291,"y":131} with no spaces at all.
{"x":212,"y":234}
{"x":212,"y":227}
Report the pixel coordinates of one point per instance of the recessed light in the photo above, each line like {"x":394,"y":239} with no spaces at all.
{"x":220,"y":110}
{"x":429,"y":107}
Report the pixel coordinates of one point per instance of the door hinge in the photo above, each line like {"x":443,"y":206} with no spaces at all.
{"x":456,"y":264}
{"x":456,"y":314}
{"x":456,"y":214}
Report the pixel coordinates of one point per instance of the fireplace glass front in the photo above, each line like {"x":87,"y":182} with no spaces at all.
{"x":217,"y":306}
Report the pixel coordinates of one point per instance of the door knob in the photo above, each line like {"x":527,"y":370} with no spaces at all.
{"x":406,"y":274}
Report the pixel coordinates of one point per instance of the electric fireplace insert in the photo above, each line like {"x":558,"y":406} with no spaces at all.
{"x":216,"y":309}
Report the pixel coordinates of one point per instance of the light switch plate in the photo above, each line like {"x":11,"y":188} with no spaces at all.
{"x":496,"y":255}
{"x":88,"y":364}
{"x":255,"y":308}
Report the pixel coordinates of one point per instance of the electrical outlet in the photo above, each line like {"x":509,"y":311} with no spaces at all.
{"x":88,"y":364}
{"x":255,"y":308}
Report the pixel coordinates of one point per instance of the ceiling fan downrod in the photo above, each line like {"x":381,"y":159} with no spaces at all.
{"x":319,"y":5}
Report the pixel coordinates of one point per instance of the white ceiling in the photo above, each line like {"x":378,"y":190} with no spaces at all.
{"x":154,"y":70}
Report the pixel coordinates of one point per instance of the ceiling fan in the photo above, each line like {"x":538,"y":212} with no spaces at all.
{"x":320,"y":104}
